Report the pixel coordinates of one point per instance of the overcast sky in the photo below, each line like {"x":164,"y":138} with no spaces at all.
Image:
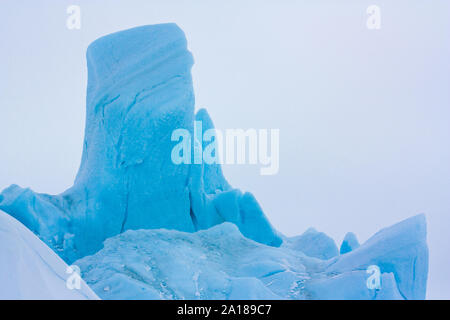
{"x":364,"y":115}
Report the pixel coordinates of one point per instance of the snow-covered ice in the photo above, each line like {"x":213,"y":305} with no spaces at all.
{"x":220,"y":263}
{"x":31,"y":270}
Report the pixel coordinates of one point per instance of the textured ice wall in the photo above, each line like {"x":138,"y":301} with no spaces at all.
{"x":139,"y":90}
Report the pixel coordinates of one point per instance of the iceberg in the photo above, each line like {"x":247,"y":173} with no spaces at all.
{"x":139,"y":91}
{"x":220,"y":263}
{"x":349,"y":243}
{"x":143,"y":227}
{"x":400,"y":250}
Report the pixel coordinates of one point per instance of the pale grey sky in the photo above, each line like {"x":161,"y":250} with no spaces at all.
{"x":363,"y":114}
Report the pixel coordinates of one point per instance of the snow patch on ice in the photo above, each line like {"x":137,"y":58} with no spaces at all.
{"x":31,"y":270}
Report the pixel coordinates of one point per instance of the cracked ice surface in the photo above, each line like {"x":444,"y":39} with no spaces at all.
{"x":220,"y":263}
